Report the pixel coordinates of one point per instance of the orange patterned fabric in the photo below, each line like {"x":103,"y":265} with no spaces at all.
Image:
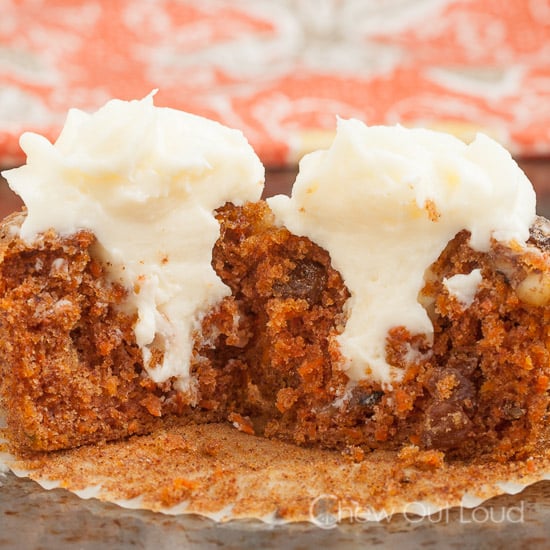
{"x":281,"y":71}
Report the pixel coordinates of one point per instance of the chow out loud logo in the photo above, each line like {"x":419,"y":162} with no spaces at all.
{"x":327,"y":510}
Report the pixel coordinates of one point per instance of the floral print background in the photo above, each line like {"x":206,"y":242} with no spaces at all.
{"x":282,"y":70}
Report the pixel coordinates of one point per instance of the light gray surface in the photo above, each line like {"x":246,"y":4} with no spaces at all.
{"x":33,"y":518}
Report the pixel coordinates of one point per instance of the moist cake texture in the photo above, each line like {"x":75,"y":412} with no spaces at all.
{"x":265,"y":358}
{"x":266,"y":354}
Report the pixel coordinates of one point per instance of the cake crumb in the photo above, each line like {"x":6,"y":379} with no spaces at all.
{"x":242,"y":423}
{"x":354,"y":453}
{"x":412,"y":456}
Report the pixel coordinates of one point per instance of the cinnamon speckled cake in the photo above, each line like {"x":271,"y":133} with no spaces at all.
{"x":399,"y":299}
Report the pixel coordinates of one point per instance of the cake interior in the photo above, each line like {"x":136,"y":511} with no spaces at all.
{"x":266,"y":359}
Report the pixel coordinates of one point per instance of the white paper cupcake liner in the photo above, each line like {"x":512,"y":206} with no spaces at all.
{"x":222,"y":474}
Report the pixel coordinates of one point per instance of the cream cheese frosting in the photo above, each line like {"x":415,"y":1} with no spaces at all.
{"x":146,"y":180}
{"x":384,"y":202}
{"x":464,"y":286}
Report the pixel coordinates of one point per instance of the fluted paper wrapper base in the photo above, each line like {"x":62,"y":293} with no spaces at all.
{"x":215,"y":471}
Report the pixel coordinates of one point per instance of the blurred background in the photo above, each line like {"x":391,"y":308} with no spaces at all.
{"x":282,"y":70}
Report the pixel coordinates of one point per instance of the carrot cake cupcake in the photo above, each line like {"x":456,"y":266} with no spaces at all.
{"x":400,"y":296}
